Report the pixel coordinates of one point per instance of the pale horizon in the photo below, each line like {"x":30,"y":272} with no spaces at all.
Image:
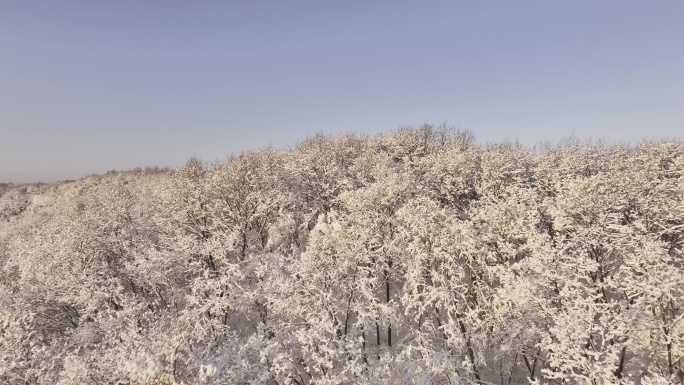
{"x":89,"y":87}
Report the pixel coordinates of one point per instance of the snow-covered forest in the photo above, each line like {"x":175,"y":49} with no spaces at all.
{"x":417,"y":257}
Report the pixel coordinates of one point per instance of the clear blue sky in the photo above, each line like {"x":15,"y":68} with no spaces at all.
{"x":88,"y":86}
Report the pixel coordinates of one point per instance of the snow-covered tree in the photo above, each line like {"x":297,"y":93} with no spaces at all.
{"x":416,"y":257}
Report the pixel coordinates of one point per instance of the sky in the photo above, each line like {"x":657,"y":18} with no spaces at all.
{"x":90,"y":86}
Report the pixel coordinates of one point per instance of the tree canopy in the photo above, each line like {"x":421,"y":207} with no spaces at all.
{"x":416,"y":257}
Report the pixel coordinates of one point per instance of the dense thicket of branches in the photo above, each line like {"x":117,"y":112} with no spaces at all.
{"x":412,"y":258}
